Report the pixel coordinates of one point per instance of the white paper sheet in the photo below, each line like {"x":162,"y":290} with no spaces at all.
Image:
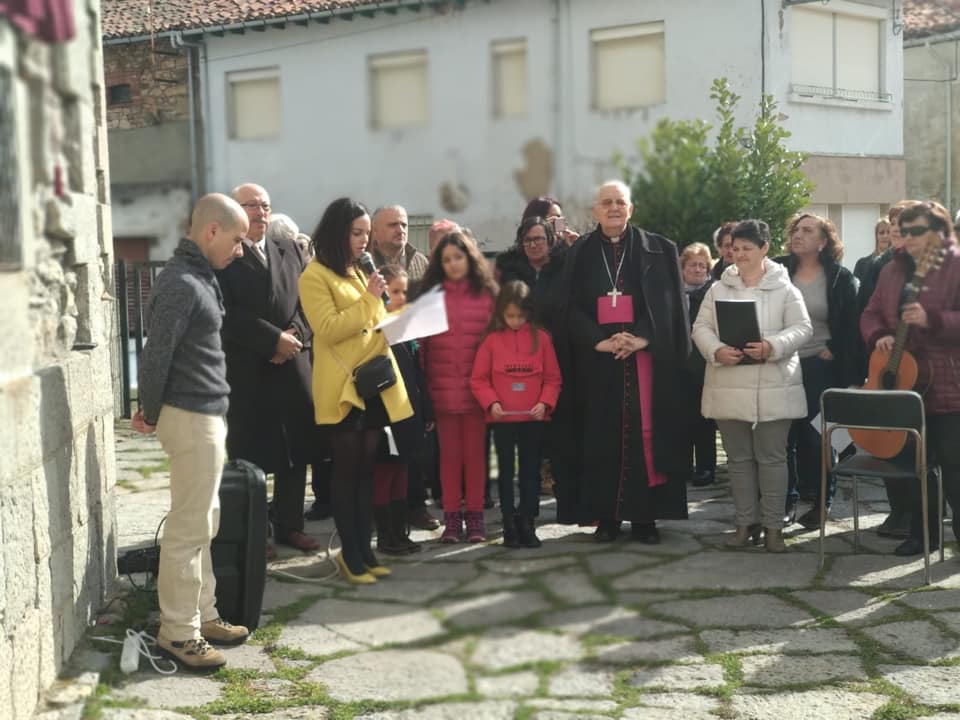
{"x":425,"y":316}
{"x":840,"y":438}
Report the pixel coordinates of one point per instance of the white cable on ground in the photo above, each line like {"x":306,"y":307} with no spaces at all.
{"x":316,"y":581}
{"x":136,"y":644}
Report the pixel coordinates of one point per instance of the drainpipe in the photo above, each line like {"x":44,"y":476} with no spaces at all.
{"x":177,"y":42}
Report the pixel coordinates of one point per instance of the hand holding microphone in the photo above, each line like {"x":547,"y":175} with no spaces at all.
{"x":376,"y":285}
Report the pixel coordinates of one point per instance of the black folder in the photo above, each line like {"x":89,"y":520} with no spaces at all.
{"x":737,"y":324}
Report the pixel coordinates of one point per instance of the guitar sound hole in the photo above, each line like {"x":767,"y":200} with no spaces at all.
{"x":888,"y":380}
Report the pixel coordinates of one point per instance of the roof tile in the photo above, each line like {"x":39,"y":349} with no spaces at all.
{"x":923,"y":18}
{"x":132,"y":18}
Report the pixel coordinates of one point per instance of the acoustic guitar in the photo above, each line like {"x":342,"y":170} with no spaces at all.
{"x":898,"y":369}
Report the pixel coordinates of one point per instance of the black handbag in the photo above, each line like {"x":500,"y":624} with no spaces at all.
{"x":374,"y":376}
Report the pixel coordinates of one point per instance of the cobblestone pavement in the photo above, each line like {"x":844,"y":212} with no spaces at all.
{"x":684,"y":630}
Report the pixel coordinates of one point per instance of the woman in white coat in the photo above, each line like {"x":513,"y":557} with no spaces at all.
{"x":754,"y":404}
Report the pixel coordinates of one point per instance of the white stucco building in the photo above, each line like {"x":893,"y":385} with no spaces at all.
{"x":466,"y":109}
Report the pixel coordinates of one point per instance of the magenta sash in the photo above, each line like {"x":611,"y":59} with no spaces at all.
{"x":645,"y":381}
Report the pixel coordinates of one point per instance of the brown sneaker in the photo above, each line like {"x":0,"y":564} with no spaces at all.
{"x":192,"y":655}
{"x":220,"y":632}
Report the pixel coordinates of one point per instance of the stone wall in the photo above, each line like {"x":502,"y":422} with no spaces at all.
{"x":157,"y":76}
{"x":57,"y":527}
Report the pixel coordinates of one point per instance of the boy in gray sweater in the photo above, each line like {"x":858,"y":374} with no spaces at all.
{"x":183,"y":394}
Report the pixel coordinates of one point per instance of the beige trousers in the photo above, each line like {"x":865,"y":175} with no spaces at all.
{"x":757,"y":467}
{"x":196,"y":445}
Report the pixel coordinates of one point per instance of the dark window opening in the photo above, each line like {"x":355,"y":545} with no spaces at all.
{"x":117,"y":94}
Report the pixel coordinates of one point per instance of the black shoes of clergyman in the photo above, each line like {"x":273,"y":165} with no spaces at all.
{"x":645,"y":533}
{"x":607,"y":531}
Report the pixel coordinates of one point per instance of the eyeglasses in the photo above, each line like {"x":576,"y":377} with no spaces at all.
{"x":915,"y":231}
{"x":253,"y":206}
{"x":534,"y":240}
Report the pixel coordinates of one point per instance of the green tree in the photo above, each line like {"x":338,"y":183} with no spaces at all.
{"x":687,"y":186}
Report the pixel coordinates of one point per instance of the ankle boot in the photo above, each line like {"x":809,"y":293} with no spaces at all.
{"x":401,"y":532}
{"x":527,"y":532}
{"x":773,"y":540}
{"x":453,"y":527}
{"x":744,"y":536}
{"x":386,"y":534}
{"x":511,"y":538}
{"x":476,"y":530}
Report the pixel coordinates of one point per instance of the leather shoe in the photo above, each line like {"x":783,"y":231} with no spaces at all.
{"x":790,"y":515}
{"x":811,"y":518}
{"x":912,"y":546}
{"x":421,"y":519}
{"x":607,"y":532}
{"x":896,"y":525}
{"x":300,"y":541}
{"x":645,"y":533}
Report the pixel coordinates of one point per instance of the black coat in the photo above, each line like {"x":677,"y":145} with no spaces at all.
{"x":843,"y":319}
{"x":696,"y":365}
{"x":595,"y":410}
{"x":512,"y":264}
{"x":410,"y":435}
{"x":270,"y":420}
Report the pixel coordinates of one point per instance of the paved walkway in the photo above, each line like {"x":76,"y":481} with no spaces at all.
{"x":685,"y":630}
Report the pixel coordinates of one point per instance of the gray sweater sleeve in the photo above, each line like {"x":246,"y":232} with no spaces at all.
{"x":169,"y":316}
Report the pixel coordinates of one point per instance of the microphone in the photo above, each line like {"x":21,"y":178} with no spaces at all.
{"x":365,"y":261}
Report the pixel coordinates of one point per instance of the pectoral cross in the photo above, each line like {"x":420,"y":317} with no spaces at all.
{"x":614,"y":294}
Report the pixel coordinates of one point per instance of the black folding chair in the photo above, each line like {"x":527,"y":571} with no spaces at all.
{"x":876,"y":410}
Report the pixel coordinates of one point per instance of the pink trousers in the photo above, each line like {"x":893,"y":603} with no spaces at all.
{"x":463,"y":469}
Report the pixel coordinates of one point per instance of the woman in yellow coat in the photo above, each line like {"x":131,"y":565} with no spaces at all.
{"x":343,"y":305}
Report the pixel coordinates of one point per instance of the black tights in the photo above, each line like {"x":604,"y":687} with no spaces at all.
{"x":351,"y":495}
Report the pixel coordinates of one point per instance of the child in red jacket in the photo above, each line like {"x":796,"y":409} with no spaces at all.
{"x":469,"y":290}
{"x":516,"y":379}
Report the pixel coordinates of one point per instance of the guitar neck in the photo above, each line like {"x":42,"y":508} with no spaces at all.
{"x":903,"y":329}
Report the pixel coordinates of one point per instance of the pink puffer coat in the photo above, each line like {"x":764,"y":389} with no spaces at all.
{"x":448,"y":357}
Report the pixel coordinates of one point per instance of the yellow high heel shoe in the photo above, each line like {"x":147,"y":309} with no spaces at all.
{"x":362,"y":579}
{"x":379,"y":571}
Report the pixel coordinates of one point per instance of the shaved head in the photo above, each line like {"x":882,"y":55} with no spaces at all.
{"x":217,"y":227}
{"x":216,"y":208}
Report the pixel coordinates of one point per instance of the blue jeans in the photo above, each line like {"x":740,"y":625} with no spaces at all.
{"x":803,"y":442}
{"x":523,"y":439}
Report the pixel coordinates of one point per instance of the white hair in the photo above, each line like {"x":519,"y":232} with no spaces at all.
{"x":282,"y":227}
{"x":619,"y":184}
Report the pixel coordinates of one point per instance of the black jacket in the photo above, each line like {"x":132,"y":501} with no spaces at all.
{"x":512,"y":264}
{"x":843,"y":319}
{"x":270,"y":420}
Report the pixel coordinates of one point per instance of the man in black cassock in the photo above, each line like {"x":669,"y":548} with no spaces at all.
{"x":622,"y":336}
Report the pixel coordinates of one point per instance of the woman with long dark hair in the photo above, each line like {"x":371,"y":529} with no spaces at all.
{"x":830,"y":358}
{"x":342,"y":305}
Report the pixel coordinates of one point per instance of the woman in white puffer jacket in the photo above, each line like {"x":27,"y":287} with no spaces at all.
{"x":754,"y":404}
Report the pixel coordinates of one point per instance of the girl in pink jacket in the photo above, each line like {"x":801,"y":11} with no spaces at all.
{"x":516,"y":379}
{"x":469,"y":291}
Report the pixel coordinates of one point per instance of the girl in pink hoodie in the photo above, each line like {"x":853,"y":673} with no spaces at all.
{"x":516,"y":379}
{"x":469,"y":291}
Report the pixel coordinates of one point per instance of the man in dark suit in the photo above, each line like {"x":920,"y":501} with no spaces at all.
{"x":270,"y":419}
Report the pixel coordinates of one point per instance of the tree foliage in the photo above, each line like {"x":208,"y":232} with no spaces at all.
{"x":687,"y":186}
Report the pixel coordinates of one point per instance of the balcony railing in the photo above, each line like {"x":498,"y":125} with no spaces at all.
{"x":832,"y":93}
